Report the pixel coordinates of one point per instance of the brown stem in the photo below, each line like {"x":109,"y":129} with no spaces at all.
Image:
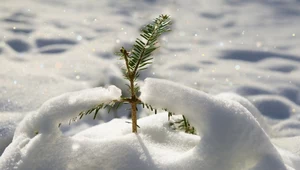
{"x":133,"y":102}
{"x":133,"y":117}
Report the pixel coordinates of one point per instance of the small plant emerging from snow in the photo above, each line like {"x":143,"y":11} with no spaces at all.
{"x":183,"y":124}
{"x":136,"y":60}
{"x":139,"y":58}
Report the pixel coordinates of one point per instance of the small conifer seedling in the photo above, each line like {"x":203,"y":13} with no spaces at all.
{"x":136,"y":60}
{"x":139,"y":58}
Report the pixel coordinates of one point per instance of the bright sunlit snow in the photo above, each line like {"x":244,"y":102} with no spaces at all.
{"x":231,"y":67}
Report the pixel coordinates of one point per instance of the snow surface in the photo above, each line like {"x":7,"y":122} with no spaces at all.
{"x":231,"y":137}
{"x":228,"y":130}
{"x":8,"y":124}
{"x":225,"y":48}
{"x":43,"y":125}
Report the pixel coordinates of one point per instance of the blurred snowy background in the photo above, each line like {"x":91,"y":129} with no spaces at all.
{"x":49,"y":47}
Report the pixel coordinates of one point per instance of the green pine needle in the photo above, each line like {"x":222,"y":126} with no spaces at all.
{"x":139,"y":58}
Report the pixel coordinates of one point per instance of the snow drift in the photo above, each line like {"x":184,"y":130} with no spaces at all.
{"x":8,"y":125}
{"x":231,"y":137}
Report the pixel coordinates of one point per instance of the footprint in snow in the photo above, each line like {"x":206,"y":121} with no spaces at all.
{"x":54,"y":45}
{"x":18,"y":45}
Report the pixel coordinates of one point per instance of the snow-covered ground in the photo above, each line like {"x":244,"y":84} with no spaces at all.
{"x":232,"y":50}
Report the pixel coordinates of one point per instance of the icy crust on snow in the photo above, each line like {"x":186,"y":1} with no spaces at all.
{"x":231,"y":138}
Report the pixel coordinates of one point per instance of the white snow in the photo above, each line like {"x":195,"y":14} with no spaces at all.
{"x":8,"y":125}
{"x":43,"y":125}
{"x":231,"y":138}
{"x":228,"y":130}
{"x":238,"y":53}
{"x":60,"y":109}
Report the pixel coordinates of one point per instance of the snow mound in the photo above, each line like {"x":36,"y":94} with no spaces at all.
{"x":45,"y":122}
{"x":231,"y":138}
{"x":287,"y":128}
{"x":250,"y":107}
{"x":8,"y":125}
{"x":62,"y":108}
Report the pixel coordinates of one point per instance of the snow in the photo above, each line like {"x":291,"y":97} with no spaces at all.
{"x":8,"y":124}
{"x":228,"y":130}
{"x":229,"y":133}
{"x":36,"y":128}
{"x":60,"y":109}
{"x":236,"y":57}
